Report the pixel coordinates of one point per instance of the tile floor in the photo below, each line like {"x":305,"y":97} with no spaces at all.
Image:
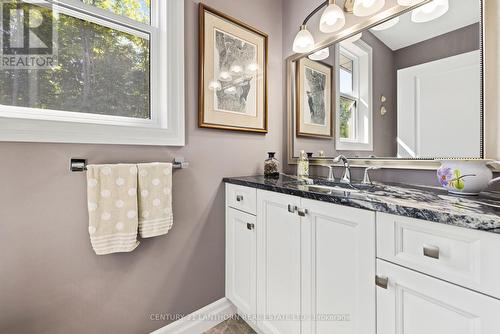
{"x":231,"y":326}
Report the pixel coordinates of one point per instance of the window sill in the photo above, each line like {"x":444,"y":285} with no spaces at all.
{"x":28,"y":130}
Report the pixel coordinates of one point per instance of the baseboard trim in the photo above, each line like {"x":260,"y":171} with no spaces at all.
{"x":201,"y":320}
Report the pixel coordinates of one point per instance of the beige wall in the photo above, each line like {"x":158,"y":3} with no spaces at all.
{"x":52,"y":282}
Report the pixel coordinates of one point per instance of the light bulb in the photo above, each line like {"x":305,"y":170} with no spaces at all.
{"x":320,"y":55}
{"x":430,"y":11}
{"x":367,"y":7}
{"x":332,"y":19}
{"x":304,"y":41}
{"x":386,"y":25}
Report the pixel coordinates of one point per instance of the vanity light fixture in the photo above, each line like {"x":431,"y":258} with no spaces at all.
{"x":386,"y":25}
{"x":332,"y":19}
{"x":367,"y":7}
{"x":304,"y":41}
{"x":320,"y":55}
{"x":430,"y":11}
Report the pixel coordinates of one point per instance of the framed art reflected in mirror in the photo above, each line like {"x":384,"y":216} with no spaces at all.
{"x":314,"y":99}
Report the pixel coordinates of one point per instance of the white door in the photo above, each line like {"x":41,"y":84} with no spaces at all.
{"x":278,"y":258}
{"x":241,"y":261}
{"x":338,"y":269}
{"x":415,"y":303}
{"x":439,"y":104}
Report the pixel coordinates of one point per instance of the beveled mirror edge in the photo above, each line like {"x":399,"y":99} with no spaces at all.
{"x":490,"y":145}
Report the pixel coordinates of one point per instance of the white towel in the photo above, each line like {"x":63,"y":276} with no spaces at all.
{"x":155,"y":199}
{"x":112,"y":205}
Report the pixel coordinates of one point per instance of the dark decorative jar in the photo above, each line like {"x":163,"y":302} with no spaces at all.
{"x":271,"y":166}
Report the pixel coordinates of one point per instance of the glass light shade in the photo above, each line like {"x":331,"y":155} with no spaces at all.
{"x":408,"y":2}
{"x":320,"y":55}
{"x":430,"y":11}
{"x":332,"y":19}
{"x":386,"y":25}
{"x":304,"y":41}
{"x":367,"y":7}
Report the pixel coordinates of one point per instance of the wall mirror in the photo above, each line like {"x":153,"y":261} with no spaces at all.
{"x":408,"y":88}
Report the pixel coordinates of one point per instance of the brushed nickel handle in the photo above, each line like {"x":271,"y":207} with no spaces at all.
{"x":250,"y":226}
{"x":431,"y":251}
{"x":382,"y":281}
{"x":239,"y":198}
{"x":292,"y":208}
{"x":302,"y":212}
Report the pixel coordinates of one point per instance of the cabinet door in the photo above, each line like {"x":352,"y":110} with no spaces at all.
{"x":338,"y":269}
{"x":415,"y":303}
{"x":278,"y":263}
{"x":241,"y":253}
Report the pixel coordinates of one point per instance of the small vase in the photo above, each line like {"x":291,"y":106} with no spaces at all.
{"x":465,"y":177}
{"x":271,"y":166}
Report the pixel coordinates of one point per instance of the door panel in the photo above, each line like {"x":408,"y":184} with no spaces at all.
{"x":338,"y":269}
{"x":278,"y":252}
{"x":414,"y":303}
{"x":241,"y":261}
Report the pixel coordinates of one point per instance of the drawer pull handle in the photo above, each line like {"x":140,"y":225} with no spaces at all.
{"x":239,"y":198}
{"x":382,"y":281}
{"x":292,"y":208}
{"x":250,"y":226}
{"x":302,"y":212}
{"x":431,"y":251}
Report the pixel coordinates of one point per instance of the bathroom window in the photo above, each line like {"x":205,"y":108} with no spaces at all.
{"x":116,"y":77}
{"x":354,"y":96}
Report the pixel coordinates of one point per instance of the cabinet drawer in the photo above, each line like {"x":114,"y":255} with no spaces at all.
{"x":241,"y":198}
{"x":462,"y":256}
{"x":413,"y":303}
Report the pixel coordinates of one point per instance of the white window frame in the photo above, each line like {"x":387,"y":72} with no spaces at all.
{"x":167,"y":122}
{"x":362,"y":56}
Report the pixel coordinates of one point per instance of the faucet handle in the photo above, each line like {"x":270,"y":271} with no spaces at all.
{"x":366,"y":177}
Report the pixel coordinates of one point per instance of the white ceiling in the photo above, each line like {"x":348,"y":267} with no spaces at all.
{"x":462,"y":13}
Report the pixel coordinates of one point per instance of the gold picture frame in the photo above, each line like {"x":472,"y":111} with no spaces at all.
{"x":314,"y":99}
{"x":233,"y":59}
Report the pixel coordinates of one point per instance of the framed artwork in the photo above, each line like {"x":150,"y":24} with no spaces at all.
{"x":233,"y":73}
{"x":314,"y":99}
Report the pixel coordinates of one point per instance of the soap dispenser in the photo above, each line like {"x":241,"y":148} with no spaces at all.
{"x":302,"y":165}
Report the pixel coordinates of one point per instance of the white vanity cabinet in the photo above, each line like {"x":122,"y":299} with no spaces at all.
{"x":241,"y":249}
{"x":418,"y":263}
{"x":414,"y":303}
{"x":301,"y":266}
{"x":315,"y":266}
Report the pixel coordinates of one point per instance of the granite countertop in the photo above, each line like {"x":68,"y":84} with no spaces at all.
{"x":429,"y":203}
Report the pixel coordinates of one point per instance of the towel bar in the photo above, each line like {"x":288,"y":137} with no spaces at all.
{"x":80,"y":165}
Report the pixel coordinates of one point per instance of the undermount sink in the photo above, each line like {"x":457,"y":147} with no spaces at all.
{"x":330,"y":189}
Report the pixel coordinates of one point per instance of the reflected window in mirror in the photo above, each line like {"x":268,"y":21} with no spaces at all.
{"x":354,"y":91}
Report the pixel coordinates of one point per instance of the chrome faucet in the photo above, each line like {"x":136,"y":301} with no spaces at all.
{"x":366,"y":178}
{"x":347,"y":172}
{"x":346,"y":178}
